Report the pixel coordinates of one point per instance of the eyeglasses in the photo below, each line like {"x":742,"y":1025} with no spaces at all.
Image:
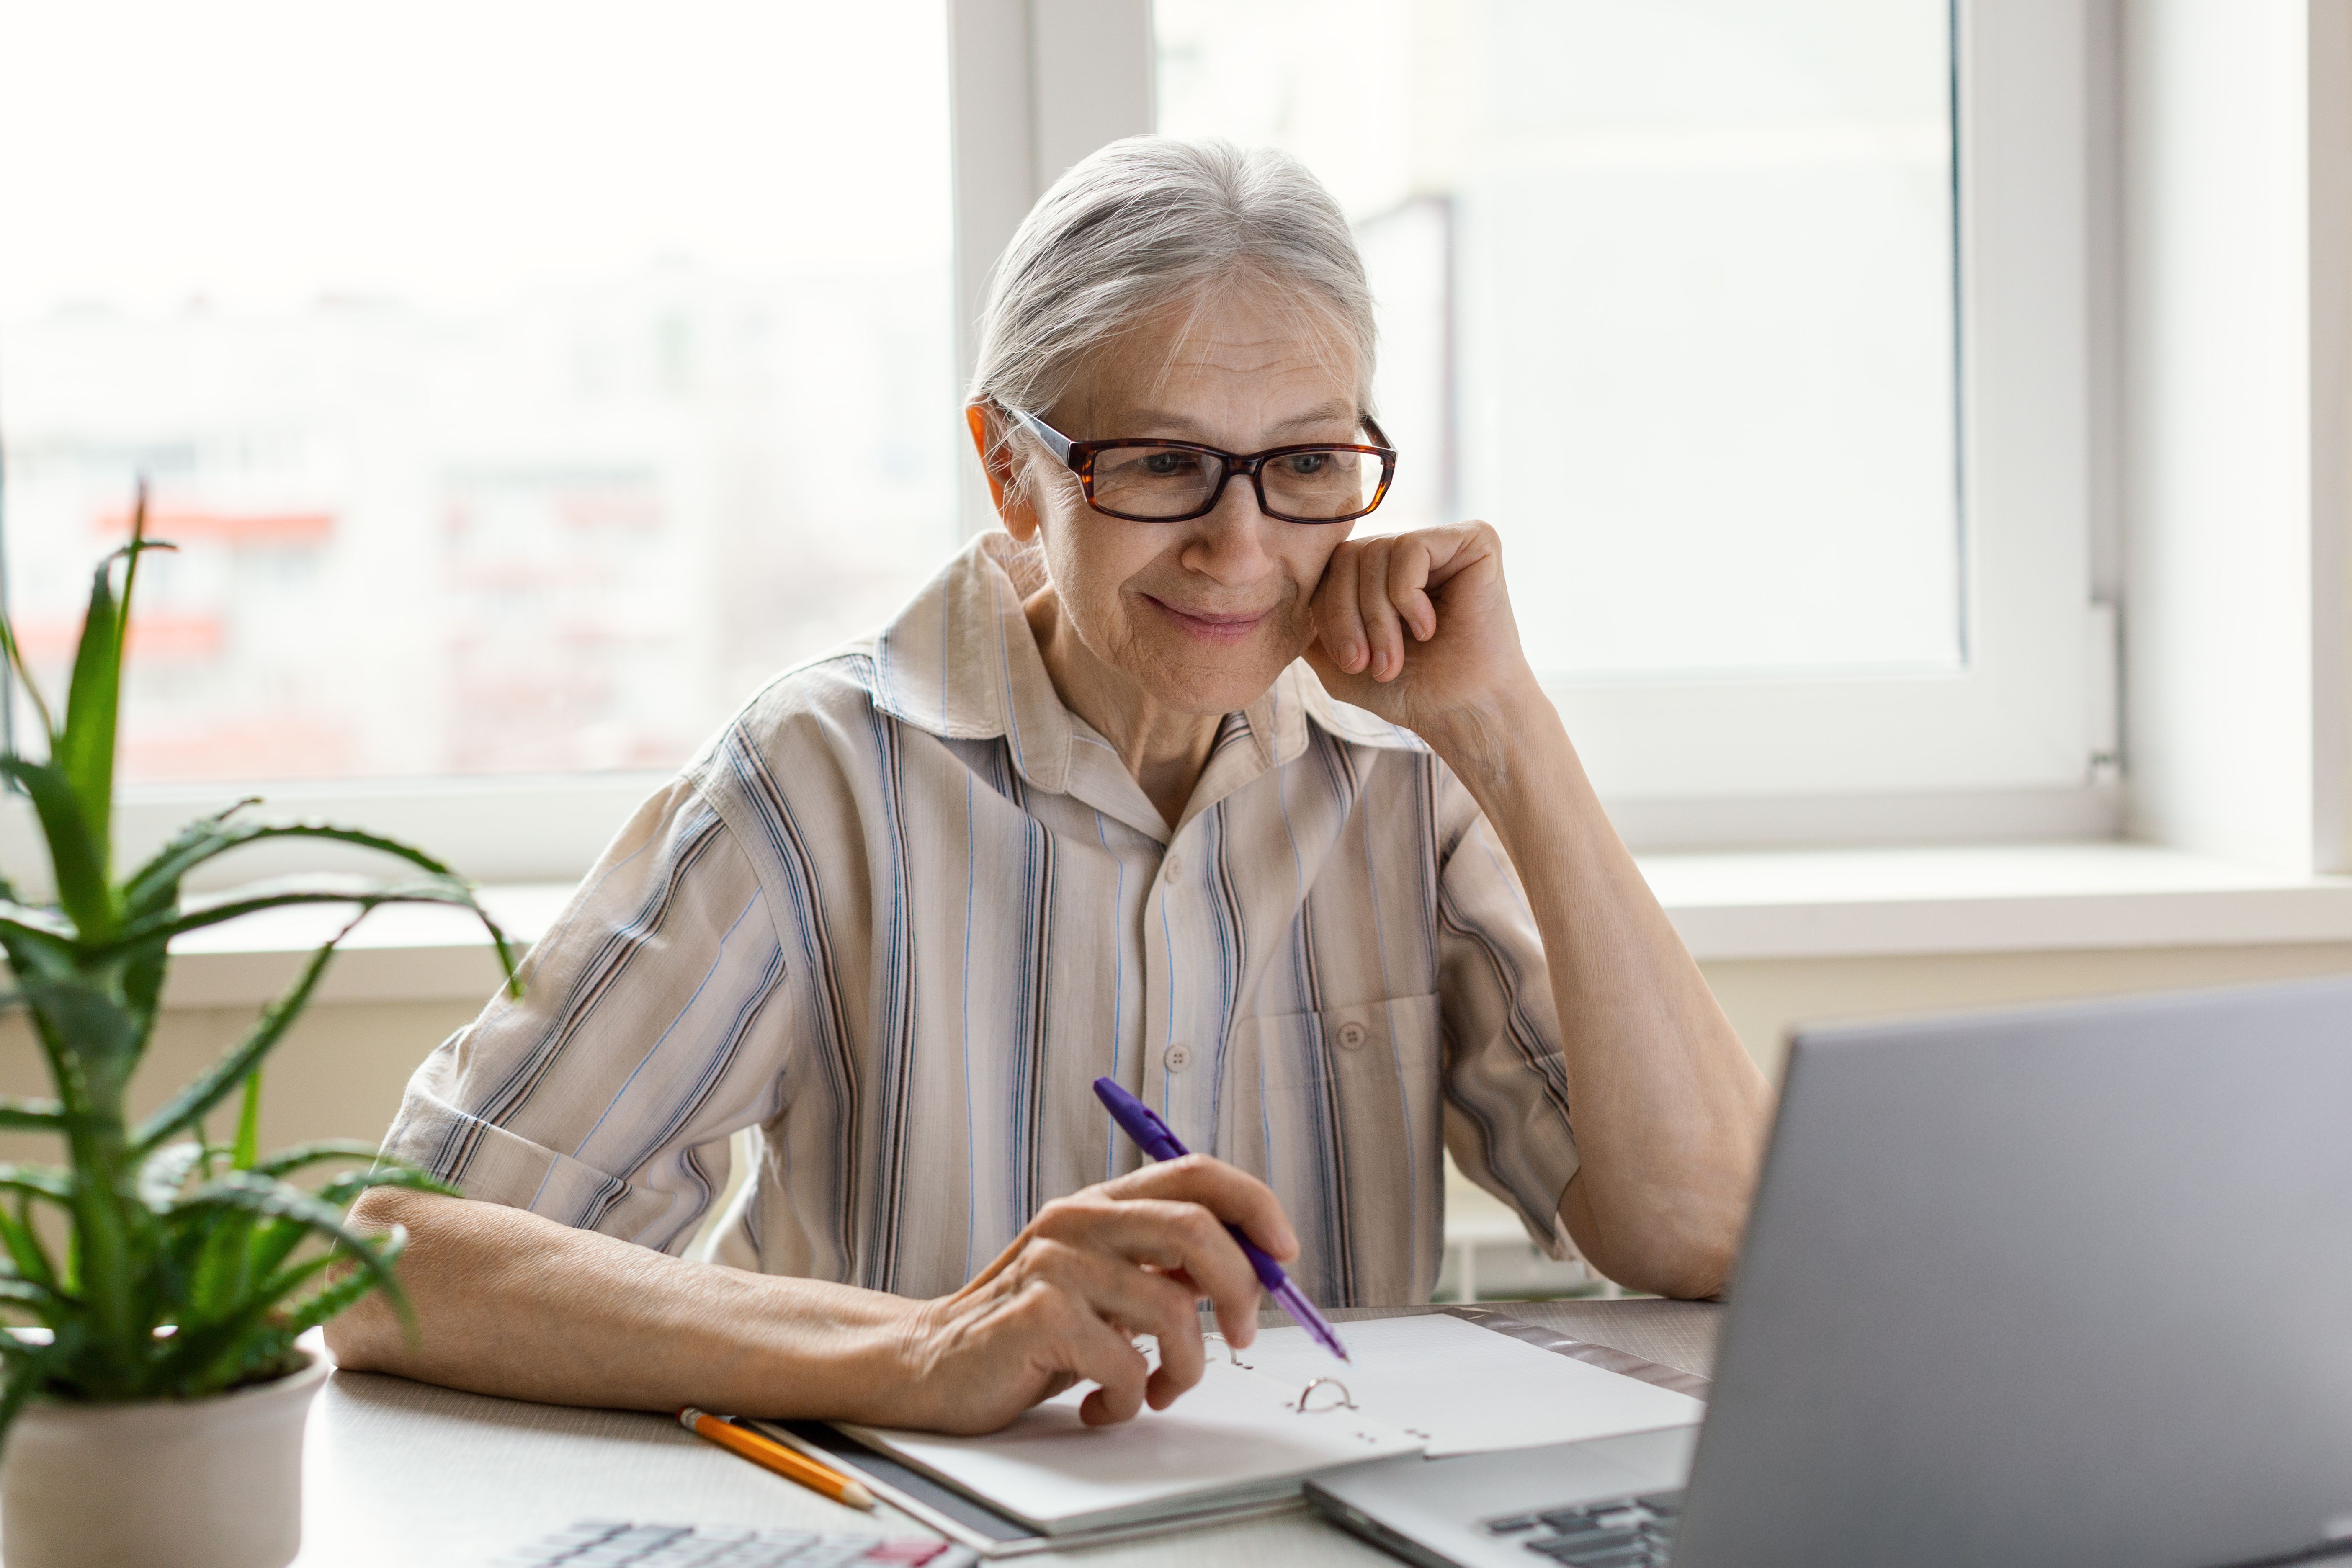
{"x":1172,"y":481}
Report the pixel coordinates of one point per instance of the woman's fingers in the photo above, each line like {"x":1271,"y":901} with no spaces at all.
{"x":1085,"y":1343}
{"x":1233,"y":1196}
{"x":1100,"y":1299}
{"x":1410,"y":564}
{"x":1337,"y":624}
{"x":1384,"y":628}
{"x":1167,"y":1239}
{"x":1376,"y":592}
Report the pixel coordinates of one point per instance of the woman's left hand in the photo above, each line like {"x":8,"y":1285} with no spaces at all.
{"x":1417,"y":627}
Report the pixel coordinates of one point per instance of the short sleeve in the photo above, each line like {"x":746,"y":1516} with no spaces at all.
{"x":1507,"y":1112}
{"x":604,"y":1098}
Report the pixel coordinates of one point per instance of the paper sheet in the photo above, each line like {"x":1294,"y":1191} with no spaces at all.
{"x":1232,"y":1434}
{"x":1467,"y":1389}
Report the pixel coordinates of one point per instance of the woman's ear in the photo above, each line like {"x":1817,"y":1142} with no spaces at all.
{"x":1019,"y":518}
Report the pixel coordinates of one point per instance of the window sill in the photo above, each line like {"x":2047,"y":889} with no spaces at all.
{"x":1852,"y":903}
{"x":1730,"y":907}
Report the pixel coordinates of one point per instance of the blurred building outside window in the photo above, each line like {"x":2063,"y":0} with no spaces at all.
{"x":523,"y":384}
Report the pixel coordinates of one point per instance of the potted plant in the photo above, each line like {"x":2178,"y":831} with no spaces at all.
{"x":151,"y":1393}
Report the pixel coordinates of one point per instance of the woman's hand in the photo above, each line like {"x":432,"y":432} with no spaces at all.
{"x":1417,"y":627}
{"x":1063,"y":1303}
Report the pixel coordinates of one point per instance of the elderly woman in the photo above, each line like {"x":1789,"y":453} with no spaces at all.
{"x":1169,"y":781}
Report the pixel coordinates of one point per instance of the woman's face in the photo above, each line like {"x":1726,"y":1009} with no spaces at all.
{"x":1203,"y":614}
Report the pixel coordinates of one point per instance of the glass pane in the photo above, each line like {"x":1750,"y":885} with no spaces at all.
{"x":1667,"y":296}
{"x":523,"y":383}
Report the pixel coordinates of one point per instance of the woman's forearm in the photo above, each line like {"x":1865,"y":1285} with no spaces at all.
{"x":1670,"y":1112}
{"x":509,"y":1303}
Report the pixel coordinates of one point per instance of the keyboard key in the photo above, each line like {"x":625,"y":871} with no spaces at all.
{"x":1661,"y":1502}
{"x":1510,"y":1524}
{"x":1570,"y":1547}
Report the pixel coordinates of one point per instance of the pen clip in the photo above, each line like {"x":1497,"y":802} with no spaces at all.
{"x":1150,"y":1118}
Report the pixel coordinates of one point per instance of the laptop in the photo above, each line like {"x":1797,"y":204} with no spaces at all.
{"x":2071,"y":1286}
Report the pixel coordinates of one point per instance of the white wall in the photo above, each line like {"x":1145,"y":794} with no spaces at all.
{"x":2227,"y":626}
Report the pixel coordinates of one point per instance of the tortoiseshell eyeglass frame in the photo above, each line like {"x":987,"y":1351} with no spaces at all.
{"x":1078,"y":457}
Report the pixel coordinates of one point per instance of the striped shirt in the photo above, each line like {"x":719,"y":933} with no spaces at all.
{"x":906,"y":907}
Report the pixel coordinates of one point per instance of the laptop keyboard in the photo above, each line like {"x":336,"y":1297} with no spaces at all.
{"x":1628,"y":1533}
{"x":617,"y":1543}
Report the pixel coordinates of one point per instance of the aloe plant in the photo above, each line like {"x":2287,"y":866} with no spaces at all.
{"x":162,"y":1265}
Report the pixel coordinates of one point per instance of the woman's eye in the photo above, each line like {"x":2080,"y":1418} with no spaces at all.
{"x":1168,"y":465}
{"x":1307,"y":465}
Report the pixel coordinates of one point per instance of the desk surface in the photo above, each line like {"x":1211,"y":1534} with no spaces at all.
{"x":402,"y":1474}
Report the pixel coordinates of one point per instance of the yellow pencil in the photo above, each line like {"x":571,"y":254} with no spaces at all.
{"x":769,"y":1454}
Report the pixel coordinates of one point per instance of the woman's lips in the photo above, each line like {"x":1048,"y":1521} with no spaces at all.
{"x":1208,"y":626}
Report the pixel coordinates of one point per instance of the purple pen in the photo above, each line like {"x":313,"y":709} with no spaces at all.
{"x":1152,"y":1135}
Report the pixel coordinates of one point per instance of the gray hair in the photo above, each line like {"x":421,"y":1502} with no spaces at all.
{"x":1152,"y":222}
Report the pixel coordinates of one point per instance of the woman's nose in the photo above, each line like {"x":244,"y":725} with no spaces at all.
{"x":1230,"y":542}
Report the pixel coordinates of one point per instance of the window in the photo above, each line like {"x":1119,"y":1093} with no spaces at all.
{"x":523,"y":384}
{"x":526,"y":383}
{"x":1704,"y":304}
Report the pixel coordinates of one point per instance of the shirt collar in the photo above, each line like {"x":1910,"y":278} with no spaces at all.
{"x":960,"y":662}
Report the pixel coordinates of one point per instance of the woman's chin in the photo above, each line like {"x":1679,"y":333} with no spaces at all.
{"x":1191,"y":683}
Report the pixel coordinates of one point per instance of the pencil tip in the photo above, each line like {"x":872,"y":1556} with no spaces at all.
{"x":856,"y":1496}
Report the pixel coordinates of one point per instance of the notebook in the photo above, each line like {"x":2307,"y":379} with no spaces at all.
{"x":1240,"y":1439}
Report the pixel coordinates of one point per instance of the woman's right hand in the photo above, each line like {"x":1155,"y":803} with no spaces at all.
{"x":1063,"y":1303}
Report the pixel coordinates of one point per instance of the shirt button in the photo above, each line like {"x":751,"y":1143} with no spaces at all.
{"x":1171,"y":866}
{"x":1177,"y":1057}
{"x":1351,"y":1035}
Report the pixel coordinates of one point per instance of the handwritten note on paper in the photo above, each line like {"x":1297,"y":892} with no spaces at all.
{"x":1466,"y":1389}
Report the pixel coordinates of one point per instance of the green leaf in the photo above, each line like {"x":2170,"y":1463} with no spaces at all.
{"x":332,"y":1300}
{"x":30,"y":1258}
{"x":39,"y":1181}
{"x":84,"y":749}
{"x":16,"y":656}
{"x":287,"y":1161}
{"x":246,"y":1193}
{"x":92,"y":1032}
{"x":279,"y":892}
{"x":270,"y":1246}
{"x":39,"y":944}
{"x":156,"y":882}
{"x":75,"y":856}
{"x":46,"y":926}
{"x":32,"y":1115}
{"x":247,"y":1150}
{"x":213,"y":1085}
{"x":29,"y":1294}
{"x":162,"y":1174}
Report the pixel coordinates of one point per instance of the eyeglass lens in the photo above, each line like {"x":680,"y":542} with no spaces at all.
{"x":1175,"y":481}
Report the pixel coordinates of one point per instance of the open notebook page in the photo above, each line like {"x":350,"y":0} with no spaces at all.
{"x":1234,"y":1438}
{"x":1466,"y":1389}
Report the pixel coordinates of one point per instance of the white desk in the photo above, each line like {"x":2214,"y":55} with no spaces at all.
{"x":401,"y":1475}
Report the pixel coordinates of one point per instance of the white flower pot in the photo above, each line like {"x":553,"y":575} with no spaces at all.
{"x":208,"y":1483}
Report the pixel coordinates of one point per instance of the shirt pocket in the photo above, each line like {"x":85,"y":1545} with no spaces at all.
{"x":1340,"y":1112}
